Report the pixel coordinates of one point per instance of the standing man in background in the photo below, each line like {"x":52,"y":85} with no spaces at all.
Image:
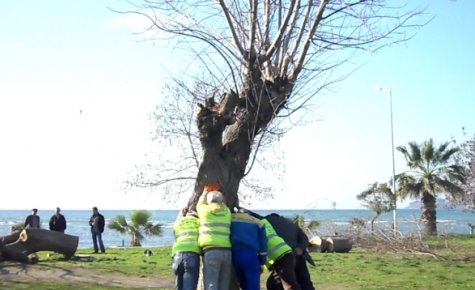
{"x":97,"y":223}
{"x":57,"y":222}
{"x":33,"y":220}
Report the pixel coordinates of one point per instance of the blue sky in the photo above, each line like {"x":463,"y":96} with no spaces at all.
{"x":77,"y":87}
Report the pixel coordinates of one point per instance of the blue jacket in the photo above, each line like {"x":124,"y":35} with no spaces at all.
{"x":248,"y":232}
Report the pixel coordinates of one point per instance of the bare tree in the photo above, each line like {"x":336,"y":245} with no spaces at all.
{"x":267,"y":60}
{"x":177,"y":135}
{"x":466,"y":158}
{"x":378,"y":198}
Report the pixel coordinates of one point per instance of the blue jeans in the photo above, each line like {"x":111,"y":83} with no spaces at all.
{"x":97,"y":237}
{"x":217,"y":265}
{"x":186,"y":267}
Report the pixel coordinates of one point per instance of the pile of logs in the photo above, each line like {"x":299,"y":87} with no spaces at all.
{"x":18,"y":245}
{"x":330,"y":245}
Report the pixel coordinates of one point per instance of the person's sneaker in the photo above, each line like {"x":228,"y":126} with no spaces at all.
{"x":95,"y":252}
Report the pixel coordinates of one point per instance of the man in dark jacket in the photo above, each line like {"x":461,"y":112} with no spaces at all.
{"x":57,"y":222}
{"x":293,"y":236}
{"x":97,"y":224}
{"x":33,"y":220}
{"x":298,"y":241}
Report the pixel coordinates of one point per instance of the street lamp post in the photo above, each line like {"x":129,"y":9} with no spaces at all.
{"x":377,"y":88}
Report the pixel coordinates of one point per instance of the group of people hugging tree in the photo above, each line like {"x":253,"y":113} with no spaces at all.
{"x":237,"y":240}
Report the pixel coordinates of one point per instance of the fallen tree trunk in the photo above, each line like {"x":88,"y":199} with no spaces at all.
{"x":12,"y":237}
{"x":339,"y":245}
{"x":330,"y":245}
{"x":35,"y":240}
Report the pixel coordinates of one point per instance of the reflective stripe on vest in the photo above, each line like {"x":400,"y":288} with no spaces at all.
{"x":186,"y":235}
{"x":215,"y":229}
{"x":193,"y":234}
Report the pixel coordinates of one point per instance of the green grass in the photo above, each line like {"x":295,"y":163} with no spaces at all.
{"x":363,"y":270}
{"x":358,"y":269}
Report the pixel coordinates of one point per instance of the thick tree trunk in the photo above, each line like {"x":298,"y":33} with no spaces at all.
{"x":228,"y":129}
{"x":429,"y":214}
{"x":35,"y":240}
{"x":223,"y":162}
{"x":12,"y":237}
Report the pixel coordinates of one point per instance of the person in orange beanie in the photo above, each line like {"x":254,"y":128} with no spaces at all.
{"x":214,"y":238}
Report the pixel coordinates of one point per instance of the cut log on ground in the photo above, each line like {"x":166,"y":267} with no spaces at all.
{"x":35,"y":240}
{"x":339,"y":245}
{"x":330,"y":244}
{"x":12,"y":237}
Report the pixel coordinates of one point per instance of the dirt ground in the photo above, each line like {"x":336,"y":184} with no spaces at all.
{"x":33,"y":273}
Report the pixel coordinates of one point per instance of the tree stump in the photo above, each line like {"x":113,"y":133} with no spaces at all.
{"x":35,"y":240}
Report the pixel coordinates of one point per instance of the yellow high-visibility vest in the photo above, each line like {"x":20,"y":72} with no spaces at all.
{"x":276,"y":246}
{"x":215,"y":227}
{"x":186,"y":231}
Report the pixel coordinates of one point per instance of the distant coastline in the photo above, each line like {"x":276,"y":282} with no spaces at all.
{"x":332,"y":220}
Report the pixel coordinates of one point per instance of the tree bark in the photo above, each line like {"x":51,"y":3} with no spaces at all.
{"x":429,"y":214}
{"x":35,"y":240}
{"x":228,"y":129}
{"x":12,"y":237}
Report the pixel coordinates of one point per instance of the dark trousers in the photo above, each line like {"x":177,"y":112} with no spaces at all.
{"x":97,"y":238}
{"x":303,"y":276}
{"x":283,"y":274}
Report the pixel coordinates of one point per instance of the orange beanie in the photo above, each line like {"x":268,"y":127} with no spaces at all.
{"x":211,"y":187}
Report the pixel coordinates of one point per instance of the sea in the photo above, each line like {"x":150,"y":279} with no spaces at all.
{"x":332,"y":222}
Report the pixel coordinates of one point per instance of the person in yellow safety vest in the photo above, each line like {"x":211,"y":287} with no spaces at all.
{"x":186,"y":250}
{"x":214,"y":238}
{"x":295,"y":237}
{"x":280,"y":260}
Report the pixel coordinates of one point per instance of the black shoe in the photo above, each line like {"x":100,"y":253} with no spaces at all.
{"x":95,"y":252}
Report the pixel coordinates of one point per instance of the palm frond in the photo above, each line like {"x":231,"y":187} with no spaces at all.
{"x":428,"y":151}
{"x":119,"y":223}
{"x":153,"y":229}
{"x":140,"y":217}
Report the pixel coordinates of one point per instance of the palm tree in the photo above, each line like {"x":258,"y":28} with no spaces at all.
{"x":308,"y":227}
{"x":431,"y":172}
{"x":139,"y":226}
{"x":378,"y":198}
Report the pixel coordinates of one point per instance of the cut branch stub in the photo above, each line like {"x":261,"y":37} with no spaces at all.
{"x":213,"y":118}
{"x":227,"y":106}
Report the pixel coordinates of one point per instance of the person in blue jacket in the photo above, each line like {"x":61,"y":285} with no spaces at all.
{"x":249,"y":249}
